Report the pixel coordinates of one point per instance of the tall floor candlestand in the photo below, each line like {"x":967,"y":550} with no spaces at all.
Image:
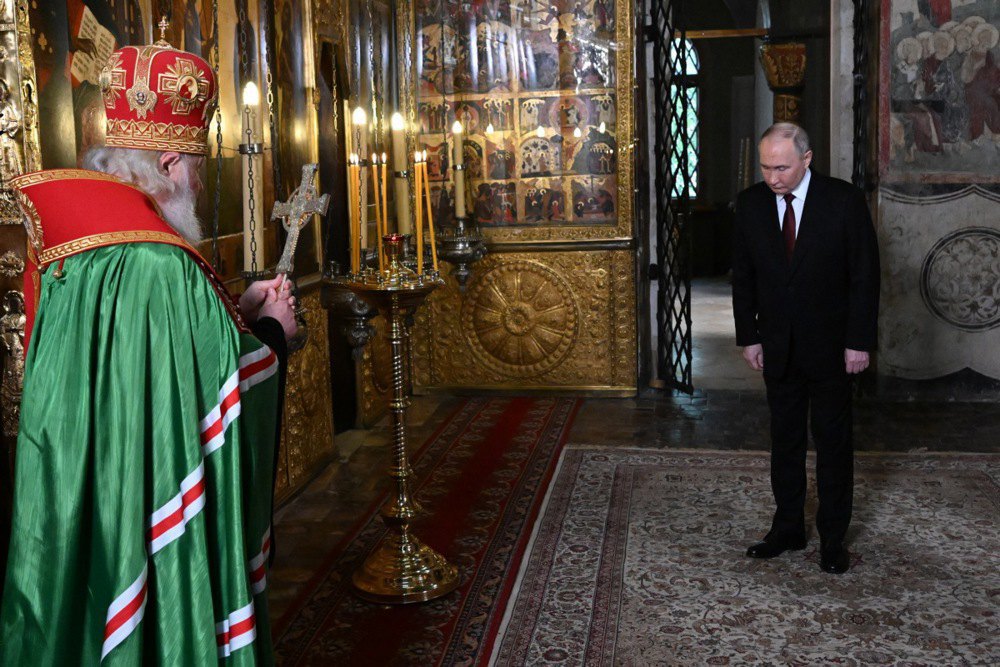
{"x":401,"y":569}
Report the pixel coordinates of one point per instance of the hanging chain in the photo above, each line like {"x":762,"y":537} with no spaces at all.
{"x":334,"y":107}
{"x":408,"y":25}
{"x":244,"y":58}
{"x":442,"y":48}
{"x":376,"y":78}
{"x":279,"y":184}
{"x":335,"y":89}
{"x":217,"y":205}
{"x":443,"y":59}
{"x":371,"y":59}
{"x":250,"y":197}
{"x":245,"y":75}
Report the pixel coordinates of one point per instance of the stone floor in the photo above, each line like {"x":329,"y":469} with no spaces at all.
{"x":716,"y":361}
{"x":728,"y":411}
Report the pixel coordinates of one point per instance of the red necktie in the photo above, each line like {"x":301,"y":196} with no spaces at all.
{"x":788,"y":226}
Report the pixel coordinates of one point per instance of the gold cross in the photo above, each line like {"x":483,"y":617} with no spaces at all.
{"x":164,"y":24}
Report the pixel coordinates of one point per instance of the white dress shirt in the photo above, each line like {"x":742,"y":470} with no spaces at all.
{"x":797,"y":204}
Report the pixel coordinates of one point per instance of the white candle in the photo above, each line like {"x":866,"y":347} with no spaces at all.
{"x":400,"y":183}
{"x":360,"y":121}
{"x":459,"y":172}
{"x":418,"y":168}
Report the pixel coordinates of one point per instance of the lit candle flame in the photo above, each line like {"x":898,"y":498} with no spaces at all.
{"x":251,"y":95}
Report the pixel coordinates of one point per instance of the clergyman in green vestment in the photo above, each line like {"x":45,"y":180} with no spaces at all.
{"x":144,"y":471}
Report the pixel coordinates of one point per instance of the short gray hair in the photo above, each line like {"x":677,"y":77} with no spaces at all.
{"x":789,"y":131}
{"x":139,"y":167}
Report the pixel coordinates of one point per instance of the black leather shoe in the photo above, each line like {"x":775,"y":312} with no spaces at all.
{"x":834,"y":560}
{"x":775,"y":547}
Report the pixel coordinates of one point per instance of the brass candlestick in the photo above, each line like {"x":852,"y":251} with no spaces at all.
{"x":401,"y":569}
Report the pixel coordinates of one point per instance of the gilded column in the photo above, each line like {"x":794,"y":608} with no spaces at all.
{"x":785,"y":67}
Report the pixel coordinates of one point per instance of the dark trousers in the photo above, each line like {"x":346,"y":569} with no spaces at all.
{"x":825,"y":403}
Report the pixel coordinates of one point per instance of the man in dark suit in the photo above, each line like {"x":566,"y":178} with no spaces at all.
{"x":805,"y":300}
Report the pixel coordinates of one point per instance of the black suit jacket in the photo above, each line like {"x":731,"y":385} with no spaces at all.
{"x":826,"y":298}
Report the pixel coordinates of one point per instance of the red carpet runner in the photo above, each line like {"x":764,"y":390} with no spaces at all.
{"x":480,"y":481}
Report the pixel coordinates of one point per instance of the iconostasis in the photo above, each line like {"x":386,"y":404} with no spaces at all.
{"x":542,"y":96}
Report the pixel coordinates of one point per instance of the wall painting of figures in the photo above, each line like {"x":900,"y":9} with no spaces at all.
{"x":940,"y":91}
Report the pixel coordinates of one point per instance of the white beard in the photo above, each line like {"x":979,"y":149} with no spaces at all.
{"x":178,"y":209}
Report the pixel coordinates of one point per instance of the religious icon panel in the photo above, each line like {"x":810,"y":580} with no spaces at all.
{"x":536,"y":88}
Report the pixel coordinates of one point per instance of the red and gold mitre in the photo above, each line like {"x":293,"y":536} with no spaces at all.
{"x":157,"y":97}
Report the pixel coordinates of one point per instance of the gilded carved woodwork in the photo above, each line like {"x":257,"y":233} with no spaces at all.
{"x":27,"y":87}
{"x":307,"y":432}
{"x":19,"y":149}
{"x":555,"y":320}
{"x":12,"y":337}
{"x":375,"y":377}
{"x":521,"y":318}
{"x":785,"y":68}
{"x":11,"y":265}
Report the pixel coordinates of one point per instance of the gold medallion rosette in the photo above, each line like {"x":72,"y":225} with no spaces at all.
{"x":520,"y":319}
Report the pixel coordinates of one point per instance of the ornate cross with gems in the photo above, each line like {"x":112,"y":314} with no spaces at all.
{"x":295,"y":213}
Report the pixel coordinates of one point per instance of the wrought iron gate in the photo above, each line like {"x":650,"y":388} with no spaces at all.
{"x":672,"y":184}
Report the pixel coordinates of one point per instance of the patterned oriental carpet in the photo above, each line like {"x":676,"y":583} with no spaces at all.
{"x":481,"y":480}
{"x":638,"y":559}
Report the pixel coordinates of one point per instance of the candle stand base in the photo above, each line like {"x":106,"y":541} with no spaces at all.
{"x":403,"y":570}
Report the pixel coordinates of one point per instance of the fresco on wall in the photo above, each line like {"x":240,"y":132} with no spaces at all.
{"x":940,"y":91}
{"x":939,"y":156}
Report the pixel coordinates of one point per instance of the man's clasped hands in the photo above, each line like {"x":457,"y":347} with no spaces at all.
{"x":271,"y":298}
